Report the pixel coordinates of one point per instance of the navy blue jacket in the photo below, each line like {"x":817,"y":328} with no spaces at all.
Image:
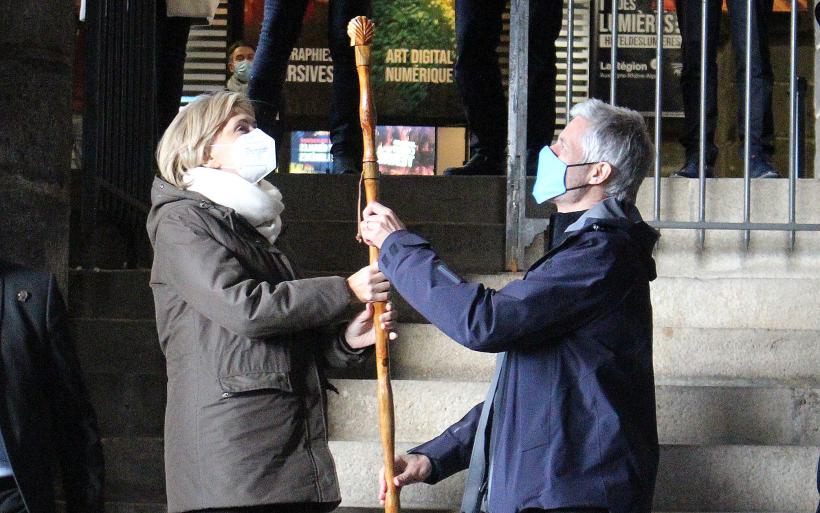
{"x":46,"y":418}
{"x":577,"y":425}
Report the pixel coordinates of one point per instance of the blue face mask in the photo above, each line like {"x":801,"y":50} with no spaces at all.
{"x":551,"y":179}
{"x":242,"y":70}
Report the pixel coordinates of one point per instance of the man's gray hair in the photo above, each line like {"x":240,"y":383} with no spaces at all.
{"x":617,"y":135}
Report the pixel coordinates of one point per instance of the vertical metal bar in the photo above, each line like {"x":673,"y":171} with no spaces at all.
{"x":91,"y":130}
{"x":570,"y":44}
{"x":613,"y":56}
{"x":517,"y":130}
{"x":747,"y":115}
{"x":658,"y":108}
{"x":793,"y":120}
{"x":704,"y":13}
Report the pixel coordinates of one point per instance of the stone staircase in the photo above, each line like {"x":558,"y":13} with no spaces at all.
{"x":737,"y":348}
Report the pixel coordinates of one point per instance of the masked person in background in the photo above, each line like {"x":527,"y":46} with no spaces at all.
{"x":568,"y":424}
{"x":240,"y":62}
{"x":245,"y":340}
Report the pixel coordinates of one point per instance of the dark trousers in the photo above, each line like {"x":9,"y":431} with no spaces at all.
{"x":281,"y":25}
{"x":10,"y":499}
{"x":478,"y":31}
{"x":761,"y":131}
{"x":171,"y":40}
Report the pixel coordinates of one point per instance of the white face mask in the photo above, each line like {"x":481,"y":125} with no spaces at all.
{"x":254,"y":155}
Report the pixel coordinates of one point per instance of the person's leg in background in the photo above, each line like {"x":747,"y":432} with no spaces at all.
{"x":689,"y":22}
{"x":281,"y":25}
{"x":345,"y":130}
{"x":545,"y":26}
{"x":478,"y":31}
{"x":171,"y":40}
{"x":761,"y":124}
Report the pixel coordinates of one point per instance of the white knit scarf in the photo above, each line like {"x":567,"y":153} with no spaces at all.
{"x":260,"y":204}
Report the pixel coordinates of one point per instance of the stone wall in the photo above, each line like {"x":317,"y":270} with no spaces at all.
{"x":36,"y":52}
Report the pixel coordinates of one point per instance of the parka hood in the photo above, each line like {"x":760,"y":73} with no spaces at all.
{"x":623,"y":215}
{"x":164,"y":194}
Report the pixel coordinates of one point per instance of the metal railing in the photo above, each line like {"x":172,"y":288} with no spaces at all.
{"x":118,"y":131}
{"x":521,"y":230}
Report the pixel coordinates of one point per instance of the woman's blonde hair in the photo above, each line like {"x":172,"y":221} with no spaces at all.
{"x":186,"y":143}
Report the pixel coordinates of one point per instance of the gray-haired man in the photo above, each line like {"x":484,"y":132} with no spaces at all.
{"x":569,"y":421}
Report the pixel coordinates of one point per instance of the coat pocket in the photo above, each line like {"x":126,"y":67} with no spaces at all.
{"x":254,"y":382}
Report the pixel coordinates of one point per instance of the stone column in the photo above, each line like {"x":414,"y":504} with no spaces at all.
{"x":36,"y":48}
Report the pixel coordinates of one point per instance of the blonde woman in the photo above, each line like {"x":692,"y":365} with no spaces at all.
{"x":245,"y":341}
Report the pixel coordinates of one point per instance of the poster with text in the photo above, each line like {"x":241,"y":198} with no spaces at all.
{"x":637,"y":55}
{"x":411,"y":68}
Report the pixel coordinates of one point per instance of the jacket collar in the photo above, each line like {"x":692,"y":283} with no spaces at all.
{"x":613,"y":214}
{"x":609,"y":212}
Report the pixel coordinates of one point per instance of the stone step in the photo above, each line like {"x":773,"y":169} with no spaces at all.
{"x":107,"y":294}
{"x":690,"y":478}
{"x":117,"y":346}
{"x":716,"y":413}
{"x":693,"y":415}
{"x":124,"y":347}
{"x":424,"y":352}
{"x":330,"y":246}
{"x":128,"y":405}
{"x":715,"y":478}
{"x":678,"y":302}
{"x":419,"y":199}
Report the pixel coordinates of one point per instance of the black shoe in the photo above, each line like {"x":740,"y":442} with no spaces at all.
{"x":345,"y":166}
{"x":478,"y":165}
{"x":760,"y":167}
{"x":690,"y":170}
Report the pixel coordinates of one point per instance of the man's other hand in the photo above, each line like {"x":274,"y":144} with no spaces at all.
{"x":378,"y":222}
{"x":408,"y":469}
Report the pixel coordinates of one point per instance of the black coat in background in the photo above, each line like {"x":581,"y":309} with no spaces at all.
{"x":45,"y":417}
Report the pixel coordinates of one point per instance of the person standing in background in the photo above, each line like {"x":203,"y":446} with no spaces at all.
{"x":240,"y":61}
{"x":478,"y":33}
{"x":761,"y":125}
{"x":46,"y":419}
{"x":281,"y":26}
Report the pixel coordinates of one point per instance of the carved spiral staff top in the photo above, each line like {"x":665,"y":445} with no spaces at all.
{"x":361,"y":32}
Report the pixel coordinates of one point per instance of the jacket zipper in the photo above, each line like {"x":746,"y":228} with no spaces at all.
{"x":308,"y":446}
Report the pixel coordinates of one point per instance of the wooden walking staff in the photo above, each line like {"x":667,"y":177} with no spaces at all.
{"x":360,"y":30}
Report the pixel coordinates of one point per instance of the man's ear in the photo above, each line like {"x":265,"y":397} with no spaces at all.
{"x":599,"y":173}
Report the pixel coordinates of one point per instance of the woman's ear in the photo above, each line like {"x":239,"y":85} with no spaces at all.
{"x":212,"y":163}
